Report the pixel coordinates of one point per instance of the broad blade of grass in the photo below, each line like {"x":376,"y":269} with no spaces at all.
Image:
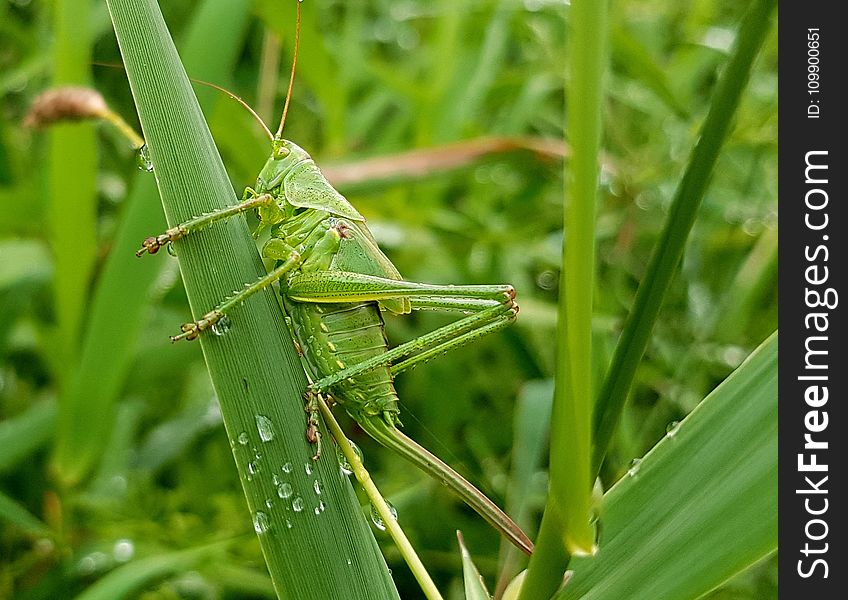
{"x":702,"y":504}
{"x":666,"y":257}
{"x":315,"y":539}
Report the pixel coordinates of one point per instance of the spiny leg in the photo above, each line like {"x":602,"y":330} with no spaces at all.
{"x":341,"y":286}
{"x":152,"y":244}
{"x":453,"y":343}
{"x":492,"y":306}
{"x":190,"y":331}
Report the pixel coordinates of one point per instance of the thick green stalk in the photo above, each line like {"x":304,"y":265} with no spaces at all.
{"x":313,"y":535}
{"x":567,"y":513}
{"x":663,"y":264}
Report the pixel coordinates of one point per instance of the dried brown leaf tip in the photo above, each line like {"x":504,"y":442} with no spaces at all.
{"x":66,"y":104}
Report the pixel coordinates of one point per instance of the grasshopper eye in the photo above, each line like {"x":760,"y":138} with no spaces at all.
{"x":280,"y":151}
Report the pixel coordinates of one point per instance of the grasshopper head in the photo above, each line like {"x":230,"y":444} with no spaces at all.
{"x":284,"y":156}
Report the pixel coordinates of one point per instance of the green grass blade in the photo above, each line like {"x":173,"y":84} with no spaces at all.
{"x":72,"y":214}
{"x":134,"y":576}
{"x":122,"y":294}
{"x":475,"y":587}
{"x":254,"y":367}
{"x":16,"y":514}
{"x":702,"y":505}
{"x":25,"y":433}
{"x":571,"y":481}
{"x":531,"y":429}
{"x":566,"y":529}
{"x":663,"y":265}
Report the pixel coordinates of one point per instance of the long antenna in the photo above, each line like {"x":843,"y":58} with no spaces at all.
{"x":240,"y":101}
{"x":212,"y":85}
{"x":291,"y":79}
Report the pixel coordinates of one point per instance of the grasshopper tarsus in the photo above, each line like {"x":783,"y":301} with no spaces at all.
{"x":153,"y":243}
{"x":191,"y":331}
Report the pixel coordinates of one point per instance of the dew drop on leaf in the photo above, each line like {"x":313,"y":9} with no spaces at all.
{"x":378,"y":520}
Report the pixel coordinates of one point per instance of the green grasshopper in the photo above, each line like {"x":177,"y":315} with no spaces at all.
{"x":334,"y":282}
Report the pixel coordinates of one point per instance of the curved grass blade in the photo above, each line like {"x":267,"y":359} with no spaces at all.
{"x":702,"y":504}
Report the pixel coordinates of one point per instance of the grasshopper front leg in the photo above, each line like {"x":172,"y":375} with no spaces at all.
{"x":152,"y":244}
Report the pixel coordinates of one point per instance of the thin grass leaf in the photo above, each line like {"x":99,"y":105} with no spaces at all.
{"x":12,"y":512}
{"x":635,"y":58}
{"x":475,"y":587}
{"x":136,"y":575}
{"x":116,"y":313}
{"x":666,"y":257}
{"x":72,"y":216}
{"x":531,"y":428}
{"x":330,"y":553}
{"x":25,"y":433}
{"x":702,"y":505}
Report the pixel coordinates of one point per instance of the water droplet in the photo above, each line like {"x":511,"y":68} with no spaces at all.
{"x":289,"y":523}
{"x":671,"y":428}
{"x":317,"y":511}
{"x":635,"y":464}
{"x":260,"y":522}
{"x":316,"y":485}
{"x":171,"y":250}
{"x":297,"y":504}
{"x":322,"y":506}
{"x":347,"y":469}
{"x":276,"y":479}
{"x":123,"y":550}
{"x":268,"y":503}
{"x":287,"y":468}
{"x":349,"y":562}
{"x":221,"y":326}
{"x":265,"y":428}
{"x":284,"y":490}
{"x":378,"y":520}
{"x":308,"y":468}
{"x":252,"y":468}
{"x":142,"y":159}
{"x":243,"y":438}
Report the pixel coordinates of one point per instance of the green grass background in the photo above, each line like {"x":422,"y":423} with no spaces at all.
{"x":84,"y":323}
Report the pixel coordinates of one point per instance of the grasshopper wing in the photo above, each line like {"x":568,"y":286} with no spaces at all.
{"x":359,"y":253}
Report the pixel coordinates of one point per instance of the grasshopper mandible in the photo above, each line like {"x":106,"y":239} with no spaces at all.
{"x":334,"y":281}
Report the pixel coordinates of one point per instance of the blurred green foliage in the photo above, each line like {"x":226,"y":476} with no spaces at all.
{"x":378,"y":78}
